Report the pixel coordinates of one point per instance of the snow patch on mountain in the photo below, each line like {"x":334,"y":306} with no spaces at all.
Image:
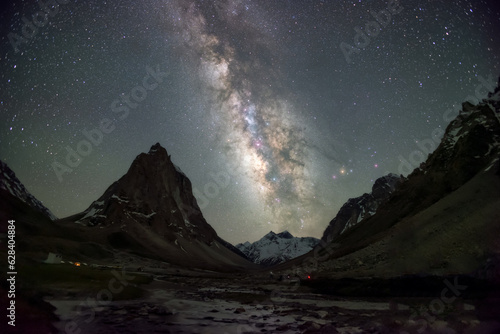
{"x":121,"y":200}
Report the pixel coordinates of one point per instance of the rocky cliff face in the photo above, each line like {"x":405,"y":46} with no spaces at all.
{"x":153,"y":193}
{"x":359,"y":208}
{"x":277,"y":248}
{"x":10,"y":184}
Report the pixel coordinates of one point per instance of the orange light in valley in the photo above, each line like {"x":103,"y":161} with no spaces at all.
{"x":77,"y":264}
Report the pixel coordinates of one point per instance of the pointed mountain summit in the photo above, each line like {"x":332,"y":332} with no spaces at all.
{"x":10,"y":184}
{"x":153,"y":193}
{"x":152,"y":208}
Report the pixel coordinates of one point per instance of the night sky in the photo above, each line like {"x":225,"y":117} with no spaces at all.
{"x":278,"y":111}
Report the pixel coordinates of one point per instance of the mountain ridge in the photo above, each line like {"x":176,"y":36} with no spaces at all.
{"x":441,"y":219}
{"x":11,"y":184}
{"x":358,"y":208}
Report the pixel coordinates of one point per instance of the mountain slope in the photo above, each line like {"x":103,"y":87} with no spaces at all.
{"x":277,"y":248}
{"x":151,"y":211}
{"x":37,"y":231}
{"x":359,"y":208}
{"x":443,"y":219}
{"x":11,"y":184}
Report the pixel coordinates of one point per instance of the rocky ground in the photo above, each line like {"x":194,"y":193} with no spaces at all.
{"x":205,"y":302}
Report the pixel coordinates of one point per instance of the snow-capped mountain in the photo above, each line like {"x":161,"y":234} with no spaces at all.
{"x":359,"y":208}
{"x":277,"y":248}
{"x":10,"y":183}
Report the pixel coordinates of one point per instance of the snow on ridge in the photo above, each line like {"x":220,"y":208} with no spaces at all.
{"x":188,"y":223}
{"x":121,"y":200}
{"x":144,"y":215}
{"x":457,"y":131}
{"x":492,"y":164}
{"x":92,"y":212}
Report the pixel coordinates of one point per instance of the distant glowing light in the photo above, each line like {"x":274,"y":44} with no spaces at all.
{"x":376,"y":165}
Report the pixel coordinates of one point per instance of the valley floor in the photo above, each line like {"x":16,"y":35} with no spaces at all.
{"x":207,"y":302}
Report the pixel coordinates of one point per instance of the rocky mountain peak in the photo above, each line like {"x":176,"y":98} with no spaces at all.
{"x":385,"y":185}
{"x":471,"y":142}
{"x":157,"y":148}
{"x":271,"y":235}
{"x":359,"y":208}
{"x":153,"y":193}
{"x":150,"y":213}
{"x":285,"y":235}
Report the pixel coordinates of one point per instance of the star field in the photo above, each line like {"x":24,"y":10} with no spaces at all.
{"x":278,"y":111}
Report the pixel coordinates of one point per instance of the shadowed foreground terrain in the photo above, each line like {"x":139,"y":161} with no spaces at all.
{"x":176,"y":300}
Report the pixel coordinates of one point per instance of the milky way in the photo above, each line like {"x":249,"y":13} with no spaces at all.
{"x":255,"y":124}
{"x":258,"y":103}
